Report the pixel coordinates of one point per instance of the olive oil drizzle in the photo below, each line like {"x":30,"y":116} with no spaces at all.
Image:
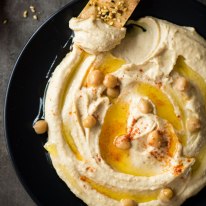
{"x":116,"y":194}
{"x":65,"y":128}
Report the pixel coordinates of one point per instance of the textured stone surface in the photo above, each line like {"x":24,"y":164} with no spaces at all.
{"x":13,"y":36}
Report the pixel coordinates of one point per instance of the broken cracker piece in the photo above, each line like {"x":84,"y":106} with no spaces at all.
{"x":32,"y":8}
{"x":35,"y":17}
{"x":25,"y":14}
{"x":5,"y":21}
{"x":113,"y":12}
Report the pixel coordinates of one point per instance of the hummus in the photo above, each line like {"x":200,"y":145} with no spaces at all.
{"x":91,"y":29}
{"x":157,"y":63}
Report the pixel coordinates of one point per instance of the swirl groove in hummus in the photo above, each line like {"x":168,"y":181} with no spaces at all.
{"x":148,"y":66}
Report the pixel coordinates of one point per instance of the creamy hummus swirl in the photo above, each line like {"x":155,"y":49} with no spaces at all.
{"x":94,"y":36}
{"x":148,"y":65}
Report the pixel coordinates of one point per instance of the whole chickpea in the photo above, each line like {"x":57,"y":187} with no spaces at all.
{"x":193,"y":124}
{"x":145,"y":106}
{"x":122,"y":142}
{"x":154,"y":139}
{"x":89,"y":122}
{"x":95,"y":78}
{"x":40,"y":127}
{"x":127,"y":202}
{"x":166,"y":194}
{"x":110,"y":81}
{"x":181,"y":84}
{"x":113,"y":92}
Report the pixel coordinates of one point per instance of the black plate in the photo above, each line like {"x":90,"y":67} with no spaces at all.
{"x":27,"y":85}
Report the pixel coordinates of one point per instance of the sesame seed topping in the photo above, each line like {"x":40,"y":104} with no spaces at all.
{"x":109,"y":11}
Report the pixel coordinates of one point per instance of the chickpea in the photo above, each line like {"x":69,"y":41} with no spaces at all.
{"x":181,"y":84}
{"x":154,"y":139}
{"x":110,"y":81}
{"x":40,"y":127}
{"x":95,"y":78}
{"x":166,"y":194}
{"x":145,"y":106}
{"x":113,"y":92}
{"x":128,"y":202}
{"x":89,"y":122}
{"x":193,"y":124}
{"x":122,"y":142}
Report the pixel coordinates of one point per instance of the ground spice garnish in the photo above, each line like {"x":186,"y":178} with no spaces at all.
{"x":83,"y":178}
{"x":98,"y":158}
{"x":157,"y":155}
{"x":90,"y":169}
{"x":178,"y":169}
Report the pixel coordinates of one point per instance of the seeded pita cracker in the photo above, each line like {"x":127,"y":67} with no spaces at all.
{"x":113,"y":12}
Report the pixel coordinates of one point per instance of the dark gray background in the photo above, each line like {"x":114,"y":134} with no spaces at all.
{"x":13,"y":37}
